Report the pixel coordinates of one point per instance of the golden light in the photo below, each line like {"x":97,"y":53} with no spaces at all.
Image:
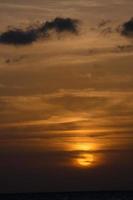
{"x":83,"y":146}
{"x":86,"y":157}
{"x":85,"y":160}
{"x":85,"y":150}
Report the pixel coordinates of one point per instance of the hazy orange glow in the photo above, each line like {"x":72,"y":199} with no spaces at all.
{"x":84,"y":146}
{"x":85,"y":152}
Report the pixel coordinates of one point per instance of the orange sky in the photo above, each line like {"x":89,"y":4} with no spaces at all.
{"x":66,"y":109}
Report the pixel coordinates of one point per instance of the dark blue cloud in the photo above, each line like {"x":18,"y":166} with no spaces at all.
{"x":30,"y":35}
{"x":127,"y":28}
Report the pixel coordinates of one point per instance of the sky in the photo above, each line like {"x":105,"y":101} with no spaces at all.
{"x":66,"y":109}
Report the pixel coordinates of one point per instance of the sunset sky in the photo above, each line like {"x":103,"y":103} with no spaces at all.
{"x":66,"y":101}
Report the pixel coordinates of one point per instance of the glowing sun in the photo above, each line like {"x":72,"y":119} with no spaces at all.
{"x":85,"y":160}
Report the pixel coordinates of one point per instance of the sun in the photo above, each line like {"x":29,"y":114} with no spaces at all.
{"x":85,"y":160}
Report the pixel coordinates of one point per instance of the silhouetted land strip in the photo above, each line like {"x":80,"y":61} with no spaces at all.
{"x":103,"y":195}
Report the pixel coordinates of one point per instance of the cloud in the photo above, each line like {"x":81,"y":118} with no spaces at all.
{"x":127,"y":28}
{"x":19,"y":36}
{"x":60,"y":25}
{"x":112,"y":27}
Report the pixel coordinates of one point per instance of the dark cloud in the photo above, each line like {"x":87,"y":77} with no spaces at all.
{"x":30,"y":35}
{"x":108,"y":27}
{"x":127,"y":28}
{"x":60,"y":25}
{"x":18,"y":36}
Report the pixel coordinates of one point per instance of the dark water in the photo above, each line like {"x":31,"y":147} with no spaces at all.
{"x":70,"y":196}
